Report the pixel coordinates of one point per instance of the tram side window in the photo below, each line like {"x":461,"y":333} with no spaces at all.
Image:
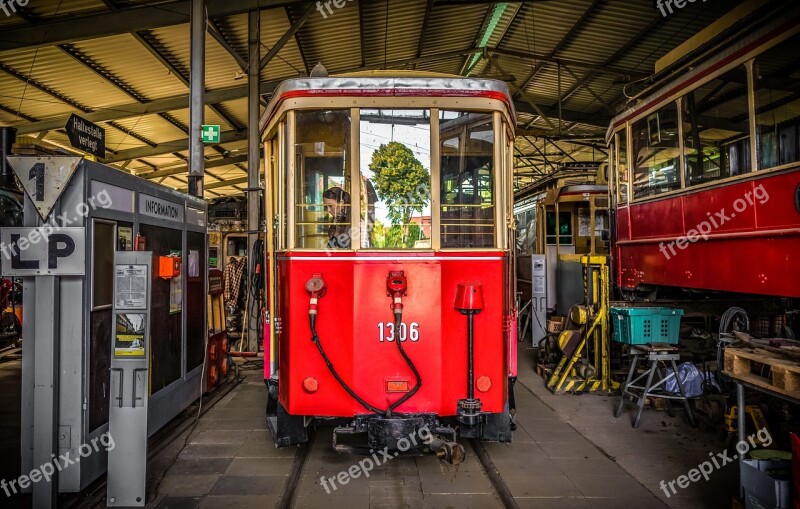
{"x":526,"y":231}
{"x":321,"y":168}
{"x":622,"y":166}
{"x":716,"y":129}
{"x":467,"y":179}
{"x":395,"y":179}
{"x":777,"y":83}
{"x":521,"y":230}
{"x":655,"y":152}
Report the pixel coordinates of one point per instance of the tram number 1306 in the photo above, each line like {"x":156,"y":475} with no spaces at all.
{"x":386,"y":331}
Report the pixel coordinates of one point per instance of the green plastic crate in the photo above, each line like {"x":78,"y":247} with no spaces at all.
{"x":637,"y":326}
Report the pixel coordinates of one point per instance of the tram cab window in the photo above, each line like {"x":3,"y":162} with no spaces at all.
{"x":716,"y":129}
{"x":467,"y":179}
{"x":777,"y":83}
{"x":395,"y":179}
{"x":655,"y":153}
{"x":564,"y":229}
{"x":322,"y":141}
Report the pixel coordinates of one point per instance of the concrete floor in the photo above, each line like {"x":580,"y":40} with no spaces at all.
{"x":568,"y":452}
{"x":662,"y":448}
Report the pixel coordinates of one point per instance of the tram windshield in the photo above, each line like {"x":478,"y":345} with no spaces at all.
{"x":395,"y":179}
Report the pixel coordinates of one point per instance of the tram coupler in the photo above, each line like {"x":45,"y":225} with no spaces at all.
{"x":469,"y":417}
{"x":451,"y":452}
{"x":407,"y":434}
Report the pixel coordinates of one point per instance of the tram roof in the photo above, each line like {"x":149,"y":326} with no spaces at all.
{"x":389,"y":85}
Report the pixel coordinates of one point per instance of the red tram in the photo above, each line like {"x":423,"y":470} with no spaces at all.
{"x":706,"y":170}
{"x":390,"y":285}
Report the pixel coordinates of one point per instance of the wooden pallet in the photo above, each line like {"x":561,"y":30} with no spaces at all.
{"x":747,"y":365}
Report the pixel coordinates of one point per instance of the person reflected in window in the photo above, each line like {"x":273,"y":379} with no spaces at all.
{"x":337,"y":204}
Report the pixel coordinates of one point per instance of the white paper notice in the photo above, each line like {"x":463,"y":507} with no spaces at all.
{"x":131,"y":287}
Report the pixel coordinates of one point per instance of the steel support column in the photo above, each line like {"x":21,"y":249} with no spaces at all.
{"x":253,"y":160}
{"x":197,"y":93}
{"x":45,"y":390}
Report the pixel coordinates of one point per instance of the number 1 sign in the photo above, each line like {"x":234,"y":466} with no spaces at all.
{"x":44,"y":178}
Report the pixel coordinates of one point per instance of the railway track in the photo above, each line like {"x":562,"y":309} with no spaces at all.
{"x":308,"y":464}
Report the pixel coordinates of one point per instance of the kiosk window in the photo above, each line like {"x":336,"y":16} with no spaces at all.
{"x":103,"y":245}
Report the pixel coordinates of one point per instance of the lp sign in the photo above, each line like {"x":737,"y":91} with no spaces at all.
{"x":43,"y":251}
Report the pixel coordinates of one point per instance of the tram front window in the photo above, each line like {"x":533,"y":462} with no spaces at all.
{"x":467,"y":178}
{"x":321,"y":169}
{"x":395,"y":179}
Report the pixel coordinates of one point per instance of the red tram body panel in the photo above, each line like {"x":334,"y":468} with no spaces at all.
{"x":354,"y":318}
{"x":751,"y":248}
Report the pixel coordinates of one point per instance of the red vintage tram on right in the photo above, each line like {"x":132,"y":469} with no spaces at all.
{"x":705,"y":181}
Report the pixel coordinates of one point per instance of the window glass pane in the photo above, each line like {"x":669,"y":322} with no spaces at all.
{"x":777,"y":83}
{"x":322,"y":184}
{"x":103,"y":247}
{"x":467,"y":179}
{"x":655,"y":152}
{"x":622,"y":167}
{"x":601,"y":231}
{"x":716,"y":129}
{"x":564,"y":228}
{"x":395,"y":179}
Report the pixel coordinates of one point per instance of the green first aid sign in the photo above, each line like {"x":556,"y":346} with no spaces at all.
{"x":210,"y":133}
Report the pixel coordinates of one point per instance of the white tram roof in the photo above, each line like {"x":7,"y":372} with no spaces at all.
{"x":390,"y":84}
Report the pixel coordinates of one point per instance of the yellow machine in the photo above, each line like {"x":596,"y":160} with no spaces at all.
{"x":590,"y":340}
{"x":756,"y":416}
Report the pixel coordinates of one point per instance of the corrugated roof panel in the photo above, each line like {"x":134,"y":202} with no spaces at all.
{"x":161,"y":160}
{"x":221,"y":68}
{"x":58,"y":71}
{"x":126,"y":58}
{"x":237,"y":110}
{"x":403,"y":30}
{"x":43,"y":8}
{"x":15,"y":96}
{"x":335,"y":41}
{"x":118,"y":140}
{"x":444,"y":34}
{"x":672,"y":32}
{"x":540,"y":26}
{"x":224,"y":191}
{"x":443,"y":65}
{"x":274,"y":24}
{"x":152,"y":127}
{"x":210,"y":118}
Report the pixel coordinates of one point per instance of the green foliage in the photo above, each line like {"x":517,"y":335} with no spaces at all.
{"x":400,"y":181}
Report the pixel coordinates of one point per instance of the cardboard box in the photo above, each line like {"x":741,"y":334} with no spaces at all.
{"x":556,"y":323}
{"x":761,"y":489}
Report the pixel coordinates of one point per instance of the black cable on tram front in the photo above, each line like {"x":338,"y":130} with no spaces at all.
{"x":398,"y":322}
{"x":312,"y":321}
